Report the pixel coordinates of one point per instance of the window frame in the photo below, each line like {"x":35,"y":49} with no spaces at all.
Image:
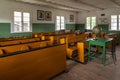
{"x":91,"y":22}
{"x":118,"y":21}
{"x":22,"y":23}
{"x":60,"y":23}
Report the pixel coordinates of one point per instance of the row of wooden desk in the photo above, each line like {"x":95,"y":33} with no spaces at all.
{"x":82,"y":44}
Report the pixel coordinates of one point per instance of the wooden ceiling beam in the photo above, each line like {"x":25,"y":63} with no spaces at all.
{"x":87,"y":4}
{"x":114,"y":1}
{"x":50,"y":1}
{"x":52,"y":5}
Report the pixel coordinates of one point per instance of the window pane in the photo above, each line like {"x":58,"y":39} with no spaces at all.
{"x":17,"y":19}
{"x":26,"y":26}
{"x":93,"y":22}
{"x":26,"y":19}
{"x":93,"y":18}
{"x":17,"y":22}
{"x":119,"y":23}
{"x":88,"y":22}
{"x":119,"y":26}
{"x":58,"y":27}
{"x":21,"y":22}
{"x":58,"y":17}
{"x":17,"y":14}
{"x":62,"y":26}
{"x":26,"y":22}
{"x":26,"y":14}
{"x":17,"y":26}
{"x":62,"y":17}
{"x":113,"y":26}
{"x":113,"y":22}
{"x":88,"y":26}
{"x":113,"y":16}
{"x":60,"y":22}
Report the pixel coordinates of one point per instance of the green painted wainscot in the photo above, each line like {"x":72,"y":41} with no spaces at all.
{"x":70,"y":26}
{"x":5,"y":31}
{"x":80,"y":27}
{"x":43,"y":27}
{"x":36,"y":27}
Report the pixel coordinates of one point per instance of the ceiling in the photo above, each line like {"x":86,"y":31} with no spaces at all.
{"x":76,"y":5}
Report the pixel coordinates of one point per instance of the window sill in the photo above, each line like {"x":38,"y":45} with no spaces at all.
{"x":22,"y":32}
{"x":114,"y":30}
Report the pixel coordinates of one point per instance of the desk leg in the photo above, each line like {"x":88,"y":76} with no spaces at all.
{"x":113,"y":52}
{"x":104,"y":55}
{"x":89,"y":48}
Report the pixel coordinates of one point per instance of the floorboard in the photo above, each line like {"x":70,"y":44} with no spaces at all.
{"x":94,"y":70}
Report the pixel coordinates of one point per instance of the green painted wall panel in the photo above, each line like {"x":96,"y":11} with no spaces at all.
{"x":80,"y":27}
{"x":5,"y":29}
{"x":36,"y":27}
{"x":105,"y":27}
{"x":47,"y":27}
{"x":43,"y":27}
{"x":70,"y":26}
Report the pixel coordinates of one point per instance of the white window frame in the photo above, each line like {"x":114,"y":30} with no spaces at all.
{"x":90,"y":25}
{"x":22,"y":23}
{"x":118,"y":21}
{"x":60,"y":22}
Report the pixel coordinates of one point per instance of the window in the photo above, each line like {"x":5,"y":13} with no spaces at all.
{"x":90,"y":22}
{"x":21,"y":22}
{"x":60,"y":23}
{"x":115,"y":22}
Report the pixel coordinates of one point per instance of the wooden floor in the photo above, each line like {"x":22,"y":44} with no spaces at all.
{"x":93,"y":70}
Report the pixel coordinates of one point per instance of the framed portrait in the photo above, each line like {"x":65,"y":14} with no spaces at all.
{"x":48,"y":15}
{"x":71,"y":18}
{"x":40,"y":15}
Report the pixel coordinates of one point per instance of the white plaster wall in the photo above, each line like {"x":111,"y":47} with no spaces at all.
{"x":7,"y":7}
{"x":108,"y":12}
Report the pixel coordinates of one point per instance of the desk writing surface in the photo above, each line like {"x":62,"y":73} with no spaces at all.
{"x":99,"y":41}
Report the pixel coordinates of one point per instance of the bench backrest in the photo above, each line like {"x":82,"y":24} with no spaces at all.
{"x":22,"y":47}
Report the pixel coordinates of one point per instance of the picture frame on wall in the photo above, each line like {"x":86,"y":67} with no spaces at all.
{"x":40,"y":15}
{"x":71,"y":18}
{"x":48,"y":15}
